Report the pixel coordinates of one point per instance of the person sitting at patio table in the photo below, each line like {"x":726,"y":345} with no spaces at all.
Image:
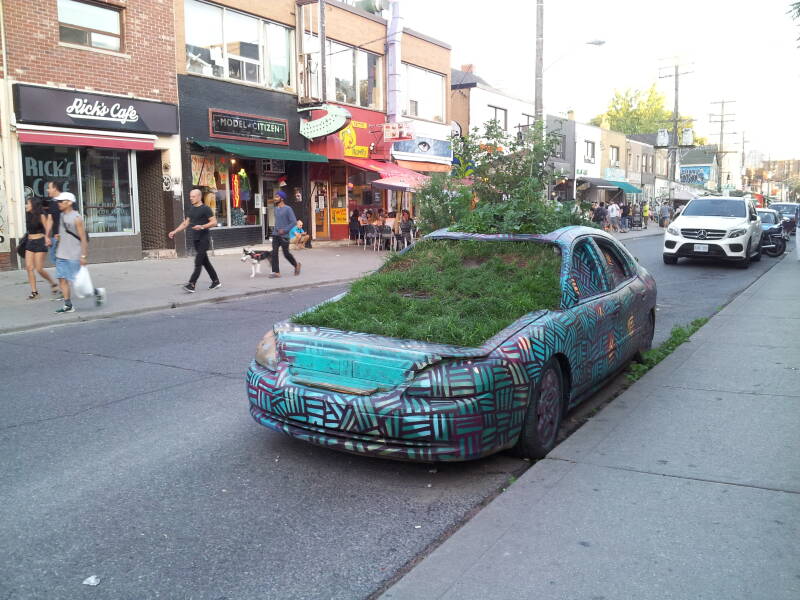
{"x":298,"y":236}
{"x":404,"y":228}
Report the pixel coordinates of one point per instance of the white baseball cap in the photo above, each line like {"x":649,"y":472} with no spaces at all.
{"x":66,"y":196}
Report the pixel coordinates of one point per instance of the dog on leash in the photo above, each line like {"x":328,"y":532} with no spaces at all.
{"x":255,"y":257}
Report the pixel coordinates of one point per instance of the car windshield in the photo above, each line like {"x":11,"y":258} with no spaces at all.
{"x":786,"y":209}
{"x":767,"y":218}
{"x":715,"y":207}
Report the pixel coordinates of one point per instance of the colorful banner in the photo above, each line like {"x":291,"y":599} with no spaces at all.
{"x":338,"y":216}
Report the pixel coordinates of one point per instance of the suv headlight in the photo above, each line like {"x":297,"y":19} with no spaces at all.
{"x":734,"y":233}
{"x":673,"y":230}
{"x":267,"y":351}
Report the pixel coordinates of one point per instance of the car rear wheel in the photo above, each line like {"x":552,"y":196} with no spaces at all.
{"x":647,"y":342}
{"x":670,"y":260}
{"x":543,"y":418}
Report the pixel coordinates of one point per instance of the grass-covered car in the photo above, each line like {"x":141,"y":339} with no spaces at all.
{"x":459,"y":347}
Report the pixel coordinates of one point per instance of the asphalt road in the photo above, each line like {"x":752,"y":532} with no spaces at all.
{"x":127,"y":453}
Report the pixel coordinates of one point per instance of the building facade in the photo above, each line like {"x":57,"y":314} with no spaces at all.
{"x":85,"y":99}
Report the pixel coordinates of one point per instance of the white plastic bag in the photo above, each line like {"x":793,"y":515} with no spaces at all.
{"x":82,"y":285}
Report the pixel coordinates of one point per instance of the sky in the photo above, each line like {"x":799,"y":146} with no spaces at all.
{"x":734,"y":50}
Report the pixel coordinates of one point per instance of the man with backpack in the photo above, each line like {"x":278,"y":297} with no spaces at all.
{"x":72,"y":252}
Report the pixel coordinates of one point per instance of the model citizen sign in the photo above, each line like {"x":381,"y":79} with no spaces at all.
{"x":81,"y":108}
{"x":251,"y":128}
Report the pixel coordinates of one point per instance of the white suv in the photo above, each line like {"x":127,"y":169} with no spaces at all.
{"x":715,"y":227}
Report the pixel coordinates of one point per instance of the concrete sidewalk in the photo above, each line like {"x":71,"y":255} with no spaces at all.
{"x":145,"y":285}
{"x":685,"y":486}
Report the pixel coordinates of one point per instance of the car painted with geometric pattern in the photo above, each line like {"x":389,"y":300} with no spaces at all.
{"x":420,"y":401}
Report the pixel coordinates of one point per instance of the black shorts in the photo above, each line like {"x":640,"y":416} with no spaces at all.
{"x":36,"y":245}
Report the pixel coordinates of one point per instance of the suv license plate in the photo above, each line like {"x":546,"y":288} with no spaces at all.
{"x":701,"y":247}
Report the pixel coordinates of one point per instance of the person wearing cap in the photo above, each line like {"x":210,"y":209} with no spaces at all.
{"x":72,"y":252}
{"x":201,"y":219}
{"x":53,"y":217}
{"x":284,"y":221}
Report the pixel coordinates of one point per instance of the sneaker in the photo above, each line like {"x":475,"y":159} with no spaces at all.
{"x":297,"y":269}
{"x":65,"y":309}
{"x":274,"y":275}
{"x":100,"y":297}
{"x":214,"y":285}
{"x":189,"y":287}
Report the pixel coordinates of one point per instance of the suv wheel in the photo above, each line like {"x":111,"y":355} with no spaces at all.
{"x":745,"y":262}
{"x":670,"y":260}
{"x":757,"y":255}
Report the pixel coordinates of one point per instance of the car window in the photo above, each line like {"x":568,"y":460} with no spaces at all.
{"x":617,"y":268}
{"x":767,"y":217}
{"x":587,"y":276}
{"x":715,"y":207}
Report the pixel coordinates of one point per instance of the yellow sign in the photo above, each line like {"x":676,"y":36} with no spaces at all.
{"x":350,"y":141}
{"x":338,"y":216}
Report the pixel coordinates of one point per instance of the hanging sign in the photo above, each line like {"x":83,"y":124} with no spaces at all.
{"x":250,"y":128}
{"x":335,"y":119}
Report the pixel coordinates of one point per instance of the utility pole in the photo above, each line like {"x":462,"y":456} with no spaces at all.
{"x":539,"y":59}
{"x":675,"y":120}
{"x":723,"y":120}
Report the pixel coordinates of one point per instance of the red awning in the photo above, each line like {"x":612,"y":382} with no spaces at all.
{"x":60,"y":138}
{"x":411,"y":179}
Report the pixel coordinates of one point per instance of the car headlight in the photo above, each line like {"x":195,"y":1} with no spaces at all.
{"x":734,"y":233}
{"x":267,"y":351}
{"x":673,"y":230}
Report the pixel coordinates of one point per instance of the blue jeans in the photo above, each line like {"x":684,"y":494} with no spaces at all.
{"x":51,"y":252}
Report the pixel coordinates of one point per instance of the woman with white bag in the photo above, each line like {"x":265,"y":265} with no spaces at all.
{"x":72,"y":255}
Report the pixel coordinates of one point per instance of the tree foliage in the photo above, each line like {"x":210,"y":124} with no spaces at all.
{"x":637,"y":111}
{"x":499,"y":185}
{"x":794,"y":10}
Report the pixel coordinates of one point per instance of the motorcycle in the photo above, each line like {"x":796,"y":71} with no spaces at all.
{"x":774,"y":239}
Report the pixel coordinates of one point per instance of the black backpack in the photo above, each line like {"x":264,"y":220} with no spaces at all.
{"x":75,"y":235}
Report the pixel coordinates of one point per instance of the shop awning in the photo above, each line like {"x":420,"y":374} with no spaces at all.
{"x":399,"y":177}
{"x":65,"y":137}
{"x":627,"y":187}
{"x":429,"y":167}
{"x":248,"y":151}
{"x":399,"y":183}
{"x":597,"y":182}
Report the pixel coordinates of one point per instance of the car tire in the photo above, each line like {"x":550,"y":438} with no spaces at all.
{"x":757,"y":255}
{"x":543,"y":416}
{"x":670,"y":260}
{"x":647,"y":344}
{"x":745,"y":262}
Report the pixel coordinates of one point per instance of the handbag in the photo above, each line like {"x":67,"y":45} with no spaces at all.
{"x":22,"y":246}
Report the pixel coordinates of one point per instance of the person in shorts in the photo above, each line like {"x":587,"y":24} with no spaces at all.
{"x":35,"y":246}
{"x":72,"y":252}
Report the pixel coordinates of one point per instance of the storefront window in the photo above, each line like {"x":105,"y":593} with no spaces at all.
{"x":229,"y":187}
{"x":106,"y":188}
{"x":425,"y":95}
{"x":104,"y":195}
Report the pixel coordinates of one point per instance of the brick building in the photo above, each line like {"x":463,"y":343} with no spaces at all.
{"x":85,"y":98}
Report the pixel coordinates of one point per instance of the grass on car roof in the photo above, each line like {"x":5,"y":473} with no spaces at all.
{"x":450,"y":292}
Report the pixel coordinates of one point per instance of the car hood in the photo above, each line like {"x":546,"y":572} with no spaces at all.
{"x":363,"y":363}
{"x":703,"y":222}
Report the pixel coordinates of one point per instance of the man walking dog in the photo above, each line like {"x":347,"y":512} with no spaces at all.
{"x":285,"y":220}
{"x":200,"y":218}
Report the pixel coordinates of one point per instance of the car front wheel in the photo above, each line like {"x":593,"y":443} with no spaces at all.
{"x":745,"y":262}
{"x":670,"y":260}
{"x":757,"y":255}
{"x":543,"y":418}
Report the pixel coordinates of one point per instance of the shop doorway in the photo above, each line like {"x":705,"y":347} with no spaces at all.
{"x":269,"y":186}
{"x":155,"y":205}
{"x":319,"y":204}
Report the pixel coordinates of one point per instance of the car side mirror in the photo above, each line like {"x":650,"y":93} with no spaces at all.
{"x":752,"y":217}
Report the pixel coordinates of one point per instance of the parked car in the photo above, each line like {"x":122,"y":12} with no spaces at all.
{"x":790,"y":210}
{"x":427,"y":401}
{"x":722,"y":228}
{"x":774,"y":234}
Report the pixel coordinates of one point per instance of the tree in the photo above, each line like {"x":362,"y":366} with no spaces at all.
{"x":794,"y":10}
{"x":498,"y":186}
{"x":636,"y":111}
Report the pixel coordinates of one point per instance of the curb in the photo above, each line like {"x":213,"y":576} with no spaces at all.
{"x":172,"y":304}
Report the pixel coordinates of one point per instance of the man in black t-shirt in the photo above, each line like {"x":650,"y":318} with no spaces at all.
{"x":200,"y":218}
